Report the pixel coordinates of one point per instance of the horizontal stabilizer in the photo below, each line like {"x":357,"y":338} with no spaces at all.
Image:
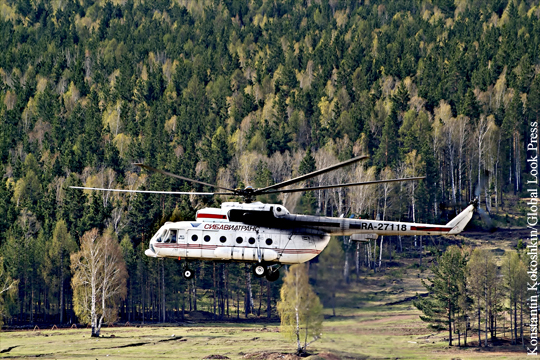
{"x":364,"y":237}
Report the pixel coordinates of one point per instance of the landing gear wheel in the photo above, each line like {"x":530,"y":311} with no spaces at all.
{"x":259,"y":270}
{"x":272,"y":275}
{"x":188,"y":273}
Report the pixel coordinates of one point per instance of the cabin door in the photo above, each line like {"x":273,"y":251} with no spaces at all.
{"x":193,"y":243}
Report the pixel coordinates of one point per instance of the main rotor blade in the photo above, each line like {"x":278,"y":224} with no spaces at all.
{"x":181,"y":177}
{"x":343,"y":185}
{"x":311,"y":174}
{"x":152,"y":191}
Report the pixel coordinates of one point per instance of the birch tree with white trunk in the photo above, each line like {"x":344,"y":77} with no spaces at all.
{"x":99,"y":280}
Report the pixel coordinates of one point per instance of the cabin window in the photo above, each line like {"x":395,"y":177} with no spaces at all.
{"x":172,"y":236}
{"x":239,"y":240}
{"x":268,"y":241}
{"x":207,"y":238}
{"x":223,"y":239}
{"x":194,"y":237}
{"x":251,"y":240}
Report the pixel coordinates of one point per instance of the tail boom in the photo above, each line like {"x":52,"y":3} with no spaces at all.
{"x":341,"y":226}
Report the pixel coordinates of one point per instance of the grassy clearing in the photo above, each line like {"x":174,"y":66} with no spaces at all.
{"x":375,"y":332}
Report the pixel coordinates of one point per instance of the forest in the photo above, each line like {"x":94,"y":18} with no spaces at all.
{"x":242,"y":93}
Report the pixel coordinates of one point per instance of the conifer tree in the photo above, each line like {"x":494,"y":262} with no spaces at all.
{"x":442,"y":304}
{"x":388,"y":151}
{"x":57,"y":260}
{"x":329,"y":269}
{"x":482,"y":281}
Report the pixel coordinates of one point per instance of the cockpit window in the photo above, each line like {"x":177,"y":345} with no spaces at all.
{"x":160,"y":237}
{"x":165,"y":238}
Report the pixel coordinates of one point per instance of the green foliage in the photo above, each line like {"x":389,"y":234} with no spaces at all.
{"x":330,"y":269}
{"x":299,"y":308}
{"x":237,"y":78}
{"x":442,"y":303}
{"x":8,"y":287}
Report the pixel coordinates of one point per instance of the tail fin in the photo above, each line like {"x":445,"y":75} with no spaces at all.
{"x":459,"y":222}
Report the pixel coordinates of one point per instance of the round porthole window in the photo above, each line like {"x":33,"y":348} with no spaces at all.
{"x":251,"y":241}
{"x":207,"y":238}
{"x":223,"y":239}
{"x":269,"y":241}
{"x":239,"y":240}
{"x":194,"y":237}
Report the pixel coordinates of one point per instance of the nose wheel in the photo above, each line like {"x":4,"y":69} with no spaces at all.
{"x":188,"y":273}
{"x":261,"y":270}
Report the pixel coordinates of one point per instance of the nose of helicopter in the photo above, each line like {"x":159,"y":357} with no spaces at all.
{"x":150,"y":251}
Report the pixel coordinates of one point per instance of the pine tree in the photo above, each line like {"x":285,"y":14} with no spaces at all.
{"x":58,"y":254}
{"x":329,"y":269}
{"x":388,"y":151}
{"x":482,"y":281}
{"x":442,"y":303}
{"x":307,"y":203}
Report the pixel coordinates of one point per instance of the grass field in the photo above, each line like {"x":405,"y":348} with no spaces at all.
{"x":371,"y":333}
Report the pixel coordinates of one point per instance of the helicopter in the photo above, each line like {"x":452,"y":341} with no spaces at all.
{"x":268,"y":235}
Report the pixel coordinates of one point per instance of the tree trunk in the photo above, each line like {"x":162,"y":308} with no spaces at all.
{"x":268,"y":300}
{"x":479,"y":329}
{"x":466,"y":331}
{"x":346,"y":262}
{"x":61,"y":287}
{"x":163,"y":304}
{"x":248,"y":303}
{"x":515,"y":320}
{"x":380,"y":251}
{"x":214,"y":289}
{"x":260,"y":297}
{"x":486,"y":324}
{"x":297,"y":332}
{"x":449,"y":324}
{"x":521,"y":320}
{"x":357,"y":261}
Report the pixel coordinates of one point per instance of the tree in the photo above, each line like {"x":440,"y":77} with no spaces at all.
{"x":307,"y":203}
{"x":57,"y":260}
{"x":482,"y":280}
{"x":329,"y":268}
{"x":442,"y":303}
{"x":299,"y":308}
{"x":388,"y":151}
{"x":99,"y":280}
{"x":515,"y":281}
{"x":7,"y":286}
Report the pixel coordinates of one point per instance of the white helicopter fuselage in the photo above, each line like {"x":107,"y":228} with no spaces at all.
{"x":257,"y":232}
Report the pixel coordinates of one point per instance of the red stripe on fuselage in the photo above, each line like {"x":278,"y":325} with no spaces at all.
{"x":426,"y":228}
{"x":213,"y":247}
{"x":211,"y":216}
